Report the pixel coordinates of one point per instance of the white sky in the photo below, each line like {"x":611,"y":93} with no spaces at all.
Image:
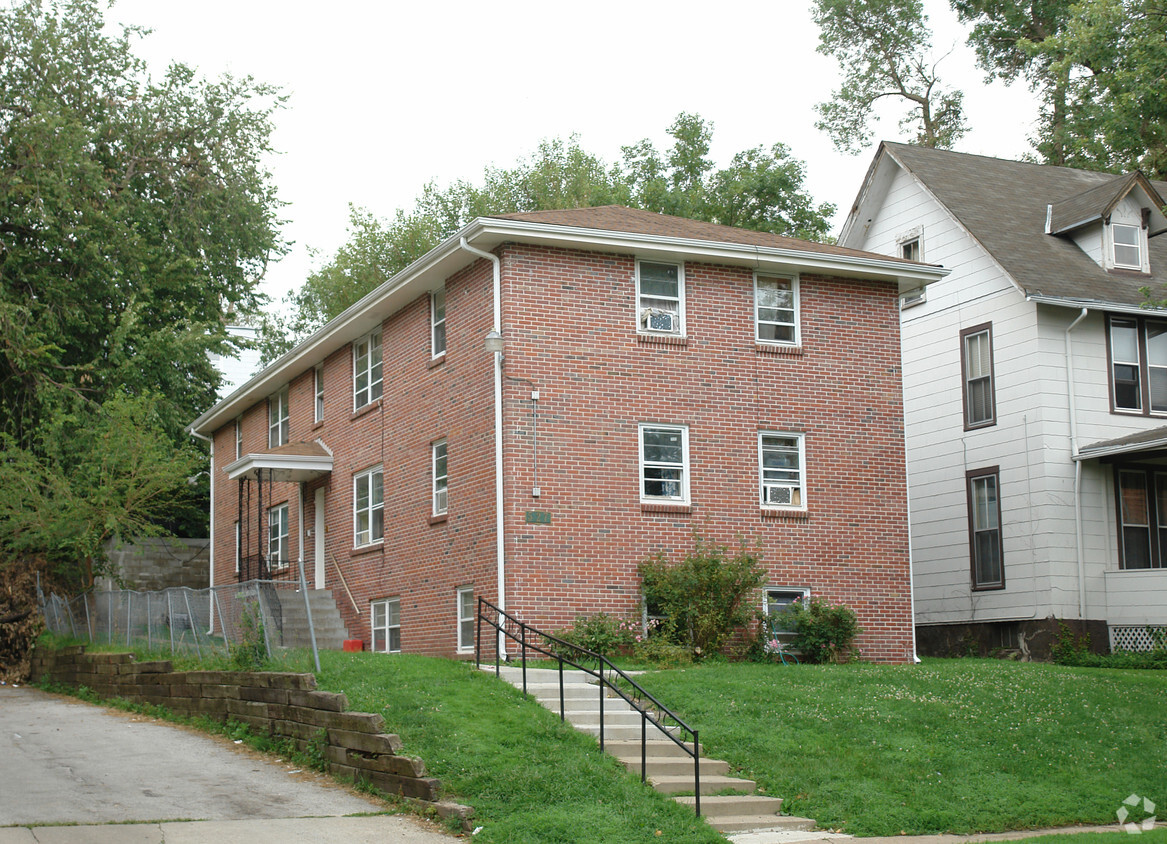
{"x":386,"y":96}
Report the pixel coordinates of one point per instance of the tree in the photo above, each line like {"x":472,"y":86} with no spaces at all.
{"x":760,"y":189}
{"x":136,"y":216}
{"x":883,"y":48}
{"x":1100,"y":67}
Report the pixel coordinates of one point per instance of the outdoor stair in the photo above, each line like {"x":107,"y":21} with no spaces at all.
{"x":326,"y":621}
{"x":669,"y":768}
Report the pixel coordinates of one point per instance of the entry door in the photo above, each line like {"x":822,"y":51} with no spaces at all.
{"x":318,"y":540}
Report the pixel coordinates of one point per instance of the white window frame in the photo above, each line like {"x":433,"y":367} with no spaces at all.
{"x":1140,"y":246}
{"x":238,"y":546}
{"x":238,"y":437}
{"x":759,"y":322}
{"x":645,"y":313}
{"x":438,"y":323}
{"x":373,"y":530}
{"x":372,"y":371}
{"x":798,"y":494}
{"x":385,"y":625}
{"x":278,"y":419}
{"x":466,"y":619}
{"x":318,"y":389}
{"x":440,"y":472}
{"x":277,"y":536}
{"x":797,"y":593}
{"x":647,"y":465}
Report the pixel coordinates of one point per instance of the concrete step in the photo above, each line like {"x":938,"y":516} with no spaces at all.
{"x":734,"y":805}
{"x":681,"y":766}
{"x":750,"y":823}
{"x":612,"y":718}
{"x":622,"y":733}
{"x":627,"y":748}
{"x":674,"y":783}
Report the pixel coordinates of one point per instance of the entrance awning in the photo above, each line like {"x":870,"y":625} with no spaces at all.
{"x":294,"y":462}
{"x":1145,"y":445}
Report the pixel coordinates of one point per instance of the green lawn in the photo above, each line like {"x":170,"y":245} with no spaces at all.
{"x":948,"y":746}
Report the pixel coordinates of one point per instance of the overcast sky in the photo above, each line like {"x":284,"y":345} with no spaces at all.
{"x":386,"y":96}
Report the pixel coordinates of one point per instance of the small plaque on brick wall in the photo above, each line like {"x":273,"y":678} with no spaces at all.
{"x":538,"y":517}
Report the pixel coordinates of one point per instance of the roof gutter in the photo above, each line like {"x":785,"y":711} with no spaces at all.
{"x":1080,"y":304}
{"x":500,"y":521}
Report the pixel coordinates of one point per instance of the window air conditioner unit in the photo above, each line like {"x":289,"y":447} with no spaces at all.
{"x":782,"y":495}
{"x":654,"y":319}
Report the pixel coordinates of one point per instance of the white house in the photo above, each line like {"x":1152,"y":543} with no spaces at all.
{"x":1035,"y":387}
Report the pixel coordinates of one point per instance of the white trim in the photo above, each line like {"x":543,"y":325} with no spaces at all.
{"x":284,"y":538}
{"x":371,"y":510}
{"x":435,"y":323}
{"x":282,"y":425}
{"x":465,"y":647}
{"x":647,"y":317}
{"x":285,"y":467}
{"x":387,"y":627}
{"x":1111,"y":247}
{"x":238,"y":437}
{"x":796,"y":292}
{"x":373,"y":389}
{"x":683,"y":497}
{"x":318,"y":393}
{"x":763,"y":487}
{"x":439,"y":495}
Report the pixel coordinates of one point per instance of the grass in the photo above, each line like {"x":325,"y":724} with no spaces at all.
{"x":529,"y":777}
{"x":956,"y":746}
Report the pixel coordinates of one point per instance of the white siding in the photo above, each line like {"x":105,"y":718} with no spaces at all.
{"x":1137,"y":597}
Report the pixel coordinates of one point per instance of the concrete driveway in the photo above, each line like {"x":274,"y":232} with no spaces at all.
{"x":114,"y":776}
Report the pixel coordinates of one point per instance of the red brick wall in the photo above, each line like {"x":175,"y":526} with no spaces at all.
{"x":569,"y":318}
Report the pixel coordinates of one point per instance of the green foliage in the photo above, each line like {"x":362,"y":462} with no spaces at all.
{"x":950,"y":746}
{"x":97,"y":473}
{"x":250,"y":652}
{"x":1075,"y":650}
{"x":761,"y":189}
{"x":658,"y":651}
{"x":823,"y":632}
{"x":704,"y":597}
{"x":601,"y":633}
{"x":883,"y":49}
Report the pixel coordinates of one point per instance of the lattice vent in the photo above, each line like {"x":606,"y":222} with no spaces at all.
{"x":1142,"y":637}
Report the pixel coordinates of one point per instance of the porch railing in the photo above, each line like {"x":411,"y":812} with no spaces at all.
{"x":610,"y":679}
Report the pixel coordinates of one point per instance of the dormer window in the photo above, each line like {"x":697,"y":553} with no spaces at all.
{"x":1126,"y":243}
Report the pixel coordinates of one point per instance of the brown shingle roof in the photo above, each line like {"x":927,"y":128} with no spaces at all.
{"x":1003,"y":204}
{"x":618,"y":218}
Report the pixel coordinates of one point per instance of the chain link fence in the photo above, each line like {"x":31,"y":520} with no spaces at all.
{"x":265,"y":616}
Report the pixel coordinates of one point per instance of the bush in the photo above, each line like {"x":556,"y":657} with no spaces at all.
{"x":703,"y":597}
{"x":822,"y":632}
{"x":1075,"y":650}
{"x":602,"y":633}
{"x":659,"y":651}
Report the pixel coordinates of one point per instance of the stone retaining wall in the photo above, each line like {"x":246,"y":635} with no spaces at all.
{"x":277,"y":704}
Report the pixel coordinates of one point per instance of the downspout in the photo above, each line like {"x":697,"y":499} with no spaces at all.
{"x":1081,"y":559}
{"x":211,"y":522}
{"x":500,"y":551}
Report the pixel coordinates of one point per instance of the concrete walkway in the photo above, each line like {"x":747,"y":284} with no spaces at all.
{"x":115,"y":776}
{"x":795,"y":837}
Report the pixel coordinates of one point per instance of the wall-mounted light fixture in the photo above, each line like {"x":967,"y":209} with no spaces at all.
{"x":493,"y":341}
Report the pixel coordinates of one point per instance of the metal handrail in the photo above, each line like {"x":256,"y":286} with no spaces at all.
{"x":344,"y":583}
{"x":608,"y":675}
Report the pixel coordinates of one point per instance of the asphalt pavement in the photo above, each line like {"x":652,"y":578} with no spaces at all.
{"x":72,"y":772}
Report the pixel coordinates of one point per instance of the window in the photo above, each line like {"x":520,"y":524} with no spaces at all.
{"x":438,"y":323}
{"x":238,"y":546}
{"x":779,"y":599}
{"x":776,"y":309}
{"x":238,"y":438}
{"x":1126,"y":242}
{"x":367,"y":370}
{"x":466,"y":613}
{"x":984,"y":523}
{"x":910,"y":249}
{"x":660,"y":296}
{"x":438,"y":456}
{"x":913,"y":297}
{"x":386,"y":626}
{"x":1138,"y":364}
{"x":1142,"y":524}
{"x":976,"y":368}
{"x":368,"y":507}
{"x":664,"y":463}
{"x":277,"y":536}
{"x":781,"y":460}
{"x":318,"y":383}
{"x":277,"y":419}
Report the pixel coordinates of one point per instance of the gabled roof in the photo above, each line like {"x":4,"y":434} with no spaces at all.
{"x":1097,"y":203}
{"x":612,"y":229}
{"x":1004,"y":206}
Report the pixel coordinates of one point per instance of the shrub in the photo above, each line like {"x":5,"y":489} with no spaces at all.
{"x":659,"y":651}
{"x":602,"y":633}
{"x":1075,"y":650}
{"x":703,"y":597}
{"x":822,"y":632}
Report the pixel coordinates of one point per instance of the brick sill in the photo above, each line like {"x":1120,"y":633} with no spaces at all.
{"x":778,"y":349}
{"x":437,"y":520}
{"x":672,"y":509}
{"x":375,"y":404}
{"x":436,"y":362}
{"x":785,"y":515}
{"x":661,"y":340}
{"x":360,"y":551}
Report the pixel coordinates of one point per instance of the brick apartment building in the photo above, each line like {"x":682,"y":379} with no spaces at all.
{"x":657,"y":376}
